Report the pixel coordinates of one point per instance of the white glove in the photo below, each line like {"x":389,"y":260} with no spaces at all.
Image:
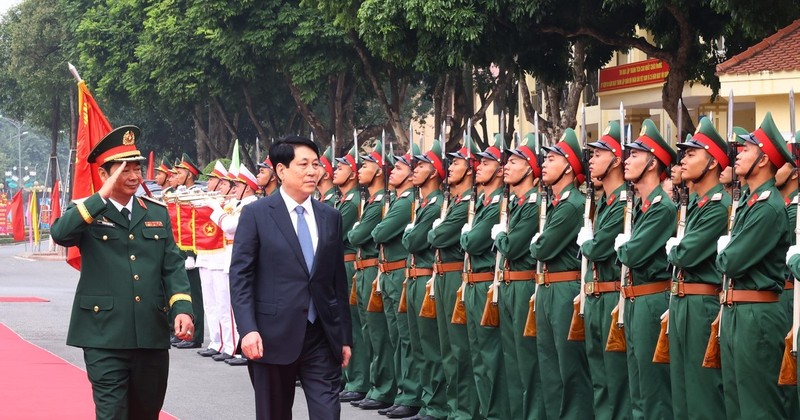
{"x":584,"y":235}
{"x":496,"y":229}
{"x":723,"y":242}
{"x":793,"y":250}
{"x":436,"y":223}
{"x":535,"y":238}
{"x":672,"y":243}
{"x":355,"y":225}
{"x":466,"y":228}
{"x":409,"y":227}
{"x":213,"y":204}
{"x":620,"y":240}
{"x":189,"y":263}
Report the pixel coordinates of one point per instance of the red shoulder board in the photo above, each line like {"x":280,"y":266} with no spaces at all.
{"x":702,"y":202}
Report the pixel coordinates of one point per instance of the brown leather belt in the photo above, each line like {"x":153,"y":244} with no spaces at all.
{"x":558,"y":277}
{"x":415,"y":272}
{"x":630,"y":292}
{"x":473,"y":278}
{"x":391,"y":266}
{"x":788,"y":285}
{"x":748,"y":296}
{"x":362,"y":264}
{"x":449,"y":267}
{"x":349,"y":257}
{"x":681,"y":289}
{"x":598,"y":287}
{"x":509,"y":276}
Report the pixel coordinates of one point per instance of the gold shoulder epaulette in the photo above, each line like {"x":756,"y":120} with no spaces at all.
{"x":153,"y":200}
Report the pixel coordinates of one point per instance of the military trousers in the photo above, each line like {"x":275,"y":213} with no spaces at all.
{"x":608,"y":370}
{"x":487,"y":356}
{"x":196,"y":290}
{"x":356,"y":374}
{"x":409,"y":389}
{"x":567,"y":389}
{"x":426,"y":352}
{"x":649,"y":382}
{"x":520,"y":358}
{"x":376,"y":337}
{"x":462,"y":398}
{"x":696,"y":391}
{"x":751,"y":344}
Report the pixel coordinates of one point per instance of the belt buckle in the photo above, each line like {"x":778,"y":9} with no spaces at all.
{"x":589,"y":288}
{"x":539,"y":278}
{"x":723,"y":297}
{"x":674,"y":289}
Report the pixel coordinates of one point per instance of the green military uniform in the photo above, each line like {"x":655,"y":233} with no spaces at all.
{"x":329,"y":197}
{"x":132,"y":283}
{"x":356,"y":374}
{"x":487,"y":355}
{"x":329,"y":164}
{"x":752,"y":334}
{"x":787,"y":300}
{"x":389,"y":235}
{"x":426,"y":352}
{"x":374,"y":326}
{"x":697,"y":391}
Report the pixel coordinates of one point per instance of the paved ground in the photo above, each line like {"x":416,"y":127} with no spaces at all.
{"x":198,"y":387}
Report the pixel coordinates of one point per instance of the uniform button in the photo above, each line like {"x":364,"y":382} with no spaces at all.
{"x":136,"y":277}
{"x":130,"y":236}
{"x":105,"y":237}
{"x":137,"y":298}
{"x":133,"y":257}
{"x":155,"y":237}
{"x":96,"y":309}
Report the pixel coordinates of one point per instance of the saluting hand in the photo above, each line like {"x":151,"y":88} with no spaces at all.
{"x":108,"y":185}
{"x":252,"y":346}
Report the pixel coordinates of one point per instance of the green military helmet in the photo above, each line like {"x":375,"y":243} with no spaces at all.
{"x":527,"y":151}
{"x":407,"y":158}
{"x":187,"y":163}
{"x":650,"y":141}
{"x":375,"y":155}
{"x":119,"y":145}
{"x":610,"y":140}
{"x":770,"y":140}
{"x":494,"y":151}
{"x":707,"y":137}
{"x":434,"y":157}
{"x":350,"y":159}
{"x":327,"y":161}
{"x":569,"y":147}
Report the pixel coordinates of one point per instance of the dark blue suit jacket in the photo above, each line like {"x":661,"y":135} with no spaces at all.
{"x":271,"y":285}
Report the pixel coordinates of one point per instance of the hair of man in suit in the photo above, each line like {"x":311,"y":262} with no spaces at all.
{"x":283,"y":150}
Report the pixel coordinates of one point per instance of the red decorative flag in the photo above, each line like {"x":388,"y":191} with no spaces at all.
{"x":55,"y":204}
{"x":207,"y":236}
{"x":92,"y":126}
{"x":151,"y":170}
{"x":18,"y":217}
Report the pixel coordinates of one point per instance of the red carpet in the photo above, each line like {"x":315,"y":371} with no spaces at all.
{"x":22,"y":299}
{"x":37,"y":384}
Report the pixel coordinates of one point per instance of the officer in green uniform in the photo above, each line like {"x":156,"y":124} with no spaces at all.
{"x":356,"y":375}
{"x":521,"y":173}
{"x":696,"y":281}
{"x":427,"y":356}
{"x":388,"y":234}
{"x":753,"y":323}
{"x":484,"y":342}
{"x":566,"y":387}
{"x":608,"y":370}
{"x":648,"y":281}
{"x":132,"y":283}
{"x":462,"y":398}
{"x":328,"y":192}
{"x":374,"y":326}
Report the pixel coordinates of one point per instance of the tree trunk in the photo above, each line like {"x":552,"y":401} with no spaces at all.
{"x":248,"y":100}
{"x":320,"y":131}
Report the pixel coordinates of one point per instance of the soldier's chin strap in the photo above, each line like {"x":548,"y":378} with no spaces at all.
{"x":646,"y":165}
{"x":755,"y":162}
{"x":564,"y":172}
{"x":528,"y":172}
{"x":705,"y":170}
{"x":608,"y":168}
{"x":241,"y":195}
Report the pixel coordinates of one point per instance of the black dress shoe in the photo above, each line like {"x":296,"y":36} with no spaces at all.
{"x":174,"y":340}
{"x":187,"y":345}
{"x":385,"y":411}
{"x":370,"y":404}
{"x":221,"y":357}
{"x":237,"y":361}
{"x":349,"y":396}
{"x":403,"y":411}
{"x":355,"y":403}
{"x":207,"y":352}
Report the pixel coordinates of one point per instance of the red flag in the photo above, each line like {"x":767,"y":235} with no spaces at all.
{"x":151,"y":170}
{"x":92,"y":126}
{"x":18,"y":217}
{"x":55,"y":204}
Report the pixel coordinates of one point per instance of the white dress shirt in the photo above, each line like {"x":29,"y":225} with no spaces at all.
{"x":311,"y":221}
{"x":119,"y":206}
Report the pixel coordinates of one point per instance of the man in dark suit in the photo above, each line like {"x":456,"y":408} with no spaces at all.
{"x":289,"y":291}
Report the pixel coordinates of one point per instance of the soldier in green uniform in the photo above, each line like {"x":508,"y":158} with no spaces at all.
{"x":327,"y":191}
{"x":521,"y":173}
{"x":647,"y":284}
{"x":388,"y":234}
{"x":356,"y":375}
{"x":132,"y":283}
{"x":427,"y":356}
{"x":696,"y":281}
{"x":754,"y":323}
{"x":162,"y":175}
{"x":484,"y":342}
{"x":566,"y":387}
{"x":608,"y":370}
{"x":374,"y":327}
{"x":267,"y":181}
{"x":462,"y":397}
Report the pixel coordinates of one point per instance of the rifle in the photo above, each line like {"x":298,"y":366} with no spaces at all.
{"x":616,"y":334}
{"x":402,"y":305}
{"x":530,"y":321}
{"x":491,"y":312}
{"x":361,"y":201}
{"x":336,"y":191}
{"x":577,"y":328}
{"x":376,"y":301}
{"x":459,"y":312}
{"x":788,"y":372}
{"x":428,"y":308}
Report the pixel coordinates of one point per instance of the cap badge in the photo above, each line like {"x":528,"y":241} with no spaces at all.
{"x":643,"y":131}
{"x":129,"y":138}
